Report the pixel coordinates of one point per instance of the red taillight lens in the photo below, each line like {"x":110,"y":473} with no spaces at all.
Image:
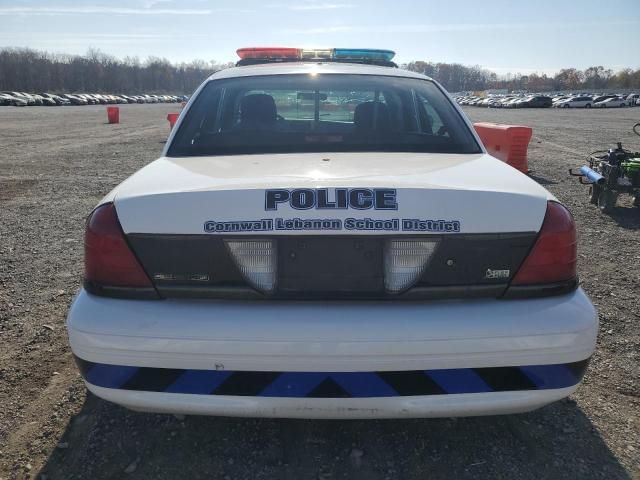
{"x":108,"y":260}
{"x":553,"y":257}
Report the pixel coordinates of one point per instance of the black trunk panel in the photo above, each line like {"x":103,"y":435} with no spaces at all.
{"x":331,"y":264}
{"x":327,"y":267}
{"x":185,"y":257}
{"x":465,"y":259}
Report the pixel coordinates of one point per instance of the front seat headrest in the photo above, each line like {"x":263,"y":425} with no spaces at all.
{"x":258,"y":108}
{"x":371,"y":116}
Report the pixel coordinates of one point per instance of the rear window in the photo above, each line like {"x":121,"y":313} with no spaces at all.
{"x":320,"y":113}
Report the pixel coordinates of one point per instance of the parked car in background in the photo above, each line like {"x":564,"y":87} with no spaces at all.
{"x":74,"y":99}
{"x":36,"y":100}
{"x":545,"y":100}
{"x":27,"y":98}
{"x":611,"y":102}
{"x":90,"y":100}
{"x":582,"y":101}
{"x":50,"y":99}
{"x":633,"y":99}
{"x":511,"y":102}
{"x":600,"y":98}
{"x":536,"y":101}
{"x":44,"y":100}
{"x":7,"y":99}
{"x":504,"y":101}
{"x":55,"y":98}
{"x":128,"y":98}
{"x":96,"y":97}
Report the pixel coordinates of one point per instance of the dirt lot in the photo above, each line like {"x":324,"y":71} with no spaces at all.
{"x":55,"y":165}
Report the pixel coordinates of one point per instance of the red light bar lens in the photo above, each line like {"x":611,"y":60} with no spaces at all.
{"x":268,"y":52}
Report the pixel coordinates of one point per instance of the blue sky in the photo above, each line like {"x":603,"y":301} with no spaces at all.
{"x":502,"y":35}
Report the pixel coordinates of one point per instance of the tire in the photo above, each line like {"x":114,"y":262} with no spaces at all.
{"x":588,"y":105}
{"x":594,"y":193}
{"x":622,"y":105}
{"x":566,"y":106}
{"x":607,"y":201}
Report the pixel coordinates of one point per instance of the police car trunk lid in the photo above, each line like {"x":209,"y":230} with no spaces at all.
{"x":179,"y":195}
{"x":330,"y":217}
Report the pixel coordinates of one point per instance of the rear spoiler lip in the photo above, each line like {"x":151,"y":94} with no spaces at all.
{"x":455,"y":292}
{"x":541,"y":290}
{"x":123,"y":292}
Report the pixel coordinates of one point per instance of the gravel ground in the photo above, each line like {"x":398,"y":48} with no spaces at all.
{"x":55,"y":164}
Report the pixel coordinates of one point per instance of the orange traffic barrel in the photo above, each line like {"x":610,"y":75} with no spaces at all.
{"x":113,"y":114}
{"x":173,"y":118}
{"x":508,"y":143}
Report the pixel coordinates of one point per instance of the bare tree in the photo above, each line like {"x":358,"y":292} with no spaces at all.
{"x":35,"y":71}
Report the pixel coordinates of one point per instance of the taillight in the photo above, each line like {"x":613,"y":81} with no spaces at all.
{"x":108,"y":260}
{"x":553,"y":257}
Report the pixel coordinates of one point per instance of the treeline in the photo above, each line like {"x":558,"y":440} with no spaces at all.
{"x":34,"y":71}
{"x":459,"y":78}
{"x":453,"y":76}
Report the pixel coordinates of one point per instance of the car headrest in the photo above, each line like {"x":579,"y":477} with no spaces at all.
{"x":258,"y":108}
{"x":371,"y":116}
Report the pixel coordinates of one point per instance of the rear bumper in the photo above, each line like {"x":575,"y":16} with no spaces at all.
{"x":458,"y":405}
{"x":333,"y":359}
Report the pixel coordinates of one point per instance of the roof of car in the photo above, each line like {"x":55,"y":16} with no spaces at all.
{"x":284,"y":68}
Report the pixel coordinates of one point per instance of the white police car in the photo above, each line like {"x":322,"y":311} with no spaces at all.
{"x":326,"y":237}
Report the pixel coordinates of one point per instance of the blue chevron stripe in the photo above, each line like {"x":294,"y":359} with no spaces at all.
{"x":293,"y":384}
{"x":459,"y":380}
{"x":549,"y":376}
{"x":363,"y":384}
{"x":109,"y":376}
{"x":198,"y":381}
{"x":342,"y":384}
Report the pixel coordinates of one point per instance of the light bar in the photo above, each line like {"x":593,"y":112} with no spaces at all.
{"x":405,"y":261}
{"x":355,"y":54}
{"x":268,"y":52}
{"x":256,"y":260}
{"x":363,"y":54}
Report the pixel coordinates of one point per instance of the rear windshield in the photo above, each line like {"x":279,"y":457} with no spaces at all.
{"x":320,"y":113}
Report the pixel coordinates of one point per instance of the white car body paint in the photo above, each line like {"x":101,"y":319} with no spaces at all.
{"x":177,"y":195}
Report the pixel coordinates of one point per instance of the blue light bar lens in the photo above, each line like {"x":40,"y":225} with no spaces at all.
{"x":363,"y":53}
